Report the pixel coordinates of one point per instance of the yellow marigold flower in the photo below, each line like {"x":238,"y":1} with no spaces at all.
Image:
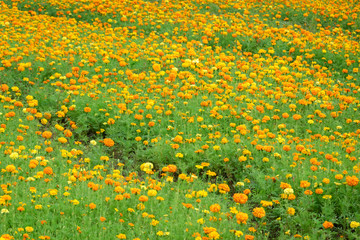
{"x":200,"y":221}
{"x":14,"y":155}
{"x":121,"y":236}
{"x":216,"y":147}
{"x":214,"y":235}
{"x":29,"y":229}
{"x":354,"y":224}
{"x":291,"y":211}
{"x":53,"y":192}
{"x":238,"y":233}
{"x":152,"y":193}
{"x":146,"y":167}
{"x":288,"y":191}
{"x":266,"y":203}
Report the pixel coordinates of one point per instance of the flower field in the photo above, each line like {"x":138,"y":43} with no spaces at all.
{"x":143,"y":119}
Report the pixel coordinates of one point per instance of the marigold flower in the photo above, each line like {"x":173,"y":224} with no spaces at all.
{"x":304,"y":184}
{"x":319,"y":191}
{"x":48,"y":170}
{"x":354,"y":224}
{"x":291,"y":197}
{"x":223,"y":188}
{"x":214,"y":235}
{"x":62,"y":140}
{"x":156,"y":67}
{"x":288,"y":191}
{"x":215,"y":208}
{"x":339,"y":176}
{"x":259,"y":212}
{"x":108,"y":142}
{"x":143,"y":198}
{"x":242,"y":217}
{"x":171,"y":168}
{"x":146,"y":167}
{"x":297,"y":117}
{"x":291,"y":211}
{"x":327,"y":224}
{"x":92,"y":205}
{"x":152,"y":193}
{"x":10,"y":168}
{"x":29,"y":229}
{"x":240,"y":198}
{"x":326,"y":180}
{"x":352,"y":181}
{"x":121,"y":236}
{"x":14,"y":155}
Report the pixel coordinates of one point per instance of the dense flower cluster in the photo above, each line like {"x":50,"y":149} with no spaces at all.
{"x":143,"y":119}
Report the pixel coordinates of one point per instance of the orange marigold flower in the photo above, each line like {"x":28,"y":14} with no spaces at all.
{"x":304,"y":184}
{"x":87,"y":109}
{"x":48,"y":170}
{"x":215,"y":208}
{"x":92,"y":205}
{"x":208,"y":230}
{"x":108,"y":142}
{"x":242,"y":217}
{"x":62,"y":140}
{"x":67,"y":133}
{"x":187,"y":205}
{"x":297,"y":117}
{"x":49,"y":149}
{"x":284,"y":185}
{"x":46,"y":134}
{"x":240,"y":198}
{"x":327,"y":224}
{"x":249,"y":237}
{"x":224,"y":188}
{"x":10,"y":168}
{"x":259,"y":212}
{"x":308,"y":192}
{"x":143,"y":198}
{"x":319,"y":191}
{"x":339,"y":176}
{"x":171,"y":168}
{"x":352,"y":181}
{"x":247,"y":191}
